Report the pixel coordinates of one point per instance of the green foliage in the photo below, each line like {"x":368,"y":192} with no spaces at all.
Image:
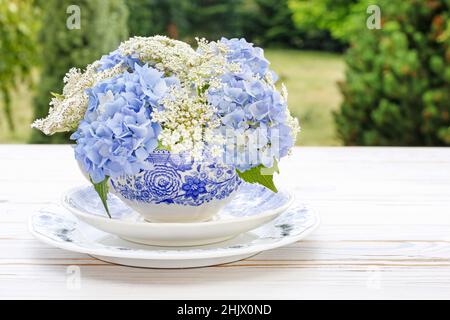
{"x":397,"y":88}
{"x":342,"y":18}
{"x":103,"y":26}
{"x":269,"y":23}
{"x":18,"y":47}
{"x":151,"y":17}
{"x":264,"y":22}
{"x":185,"y":19}
{"x":260,"y":175}
{"x":214,"y":19}
{"x":102,"y":190}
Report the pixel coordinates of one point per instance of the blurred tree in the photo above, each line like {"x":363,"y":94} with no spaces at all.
{"x":103,"y":26}
{"x":265,"y":22}
{"x":397,"y":88}
{"x":18,"y":47}
{"x":185,"y":19}
{"x":214,"y":19}
{"x":342,"y":18}
{"x":141,"y":18}
{"x":165,"y":17}
{"x":270,"y":23}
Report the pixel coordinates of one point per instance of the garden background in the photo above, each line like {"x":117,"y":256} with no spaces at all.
{"x":348,"y":84}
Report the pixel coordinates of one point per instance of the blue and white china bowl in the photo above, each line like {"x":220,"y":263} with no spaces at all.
{"x":54,"y":226}
{"x":252,"y":207}
{"x":176,"y":189}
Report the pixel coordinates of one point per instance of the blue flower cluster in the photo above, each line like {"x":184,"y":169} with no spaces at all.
{"x":251,"y":59}
{"x":117,"y":133}
{"x":112,"y":59}
{"x":248,"y":105}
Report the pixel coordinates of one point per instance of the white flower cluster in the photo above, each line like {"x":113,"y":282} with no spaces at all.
{"x":210,"y":64}
{"x":165,"y":54}
{"x":174,"y":57}
{"x":188,"y":122}
{"x":67,"y":110}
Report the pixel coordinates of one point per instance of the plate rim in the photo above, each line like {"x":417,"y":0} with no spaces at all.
{"x":186,"y":255}
{"x":173,"y":225}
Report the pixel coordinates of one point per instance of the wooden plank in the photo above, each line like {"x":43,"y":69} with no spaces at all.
{"x":111,"y":281}
{"x":307,"y":252}
{"x":385,"y":233}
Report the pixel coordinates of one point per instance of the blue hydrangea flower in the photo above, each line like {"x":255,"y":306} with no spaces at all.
{"x":248,"y":105}
{"x":115,"y":57}
{"x":117,"y":133}
{"x":250,"y":58}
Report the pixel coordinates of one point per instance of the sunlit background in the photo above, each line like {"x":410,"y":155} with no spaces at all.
{"x":350,"y":82}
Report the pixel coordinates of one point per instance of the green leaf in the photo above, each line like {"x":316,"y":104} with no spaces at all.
{"x":162,"y":147}
{"x":260,"y":175}
{"x":102,"y":190}
{"x":275,"y":167}
{"x":57,"y":95}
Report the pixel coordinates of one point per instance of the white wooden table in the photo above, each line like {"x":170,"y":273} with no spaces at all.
{"x":385,"y":233}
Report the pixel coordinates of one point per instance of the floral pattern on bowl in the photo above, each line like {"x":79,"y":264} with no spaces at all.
{"x":172,"y":184}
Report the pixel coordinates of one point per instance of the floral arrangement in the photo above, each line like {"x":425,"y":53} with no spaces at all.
{"x":217,"y":102}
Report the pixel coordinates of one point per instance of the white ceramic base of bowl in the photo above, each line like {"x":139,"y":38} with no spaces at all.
{"x":175,"y":213}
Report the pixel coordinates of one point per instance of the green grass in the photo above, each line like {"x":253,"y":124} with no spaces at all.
{"x":309,"y":76}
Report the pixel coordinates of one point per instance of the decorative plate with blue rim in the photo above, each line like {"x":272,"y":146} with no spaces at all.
{"x":252,"y":206}
{"x":56,"y":227}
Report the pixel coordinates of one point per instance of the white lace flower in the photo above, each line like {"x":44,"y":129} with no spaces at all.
{"x":165,"y":54}
{"x":187,"y":121}
{"x":67,"y":110}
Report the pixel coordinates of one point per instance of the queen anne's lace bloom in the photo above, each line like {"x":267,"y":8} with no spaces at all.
{"x":187,"y":121}
{"x":67,"y":110}
{"x":167,"y":55}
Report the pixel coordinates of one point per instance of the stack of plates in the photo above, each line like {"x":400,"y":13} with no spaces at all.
{"x":253,"y":222}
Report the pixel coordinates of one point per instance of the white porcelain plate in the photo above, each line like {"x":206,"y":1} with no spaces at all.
{"x":56,"y":227}
{"x":253,"y":206}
